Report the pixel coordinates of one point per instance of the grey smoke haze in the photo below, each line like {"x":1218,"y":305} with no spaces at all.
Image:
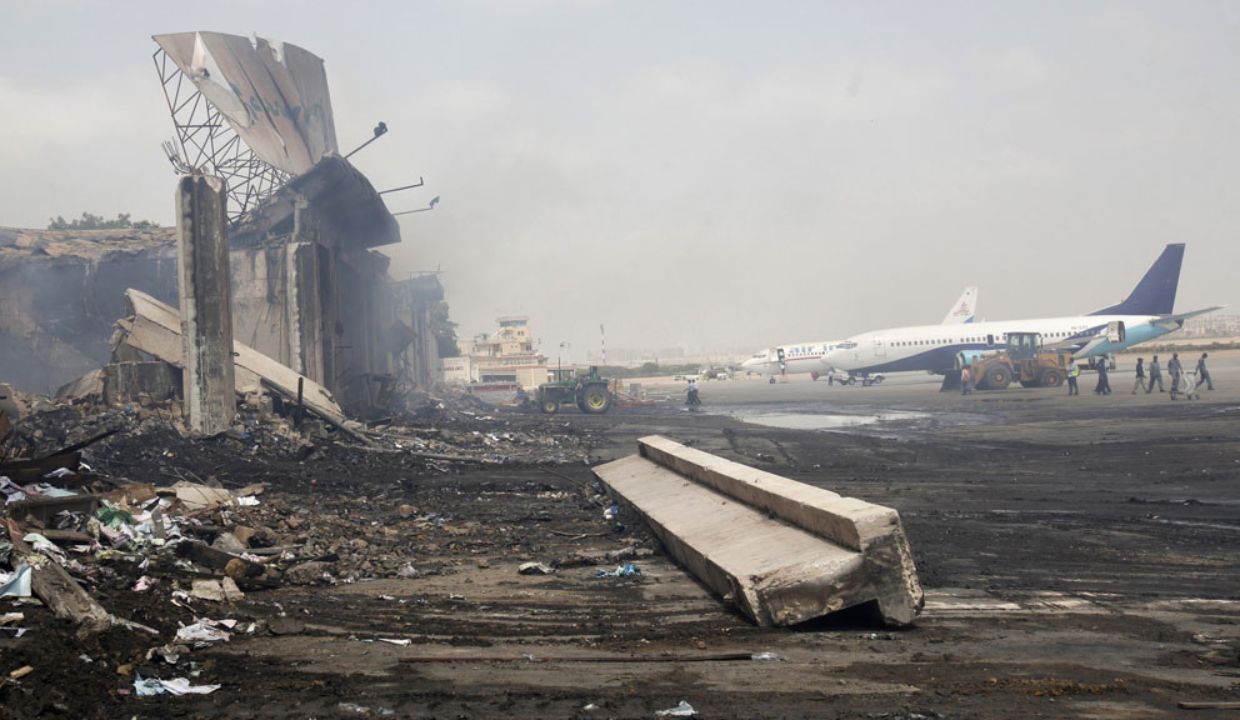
{"x":706,"y":174}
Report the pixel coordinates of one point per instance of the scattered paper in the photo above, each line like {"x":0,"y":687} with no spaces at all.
{"x":625,"y":570}
{"x":204,"y":630}
{"x":176,"y":686}
{"x":684,"y":709}
{"x":16,"y":583}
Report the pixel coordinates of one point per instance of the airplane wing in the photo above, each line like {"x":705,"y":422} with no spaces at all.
{"x":1084,"y":342}
{"x":962,"y":310}
{"x":1176,"y":320}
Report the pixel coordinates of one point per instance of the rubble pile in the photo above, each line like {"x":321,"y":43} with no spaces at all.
{"x":126,"y":545}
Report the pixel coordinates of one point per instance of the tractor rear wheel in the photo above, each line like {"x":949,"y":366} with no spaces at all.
{"x":1051,"y":377}
{"x":595,"y":399}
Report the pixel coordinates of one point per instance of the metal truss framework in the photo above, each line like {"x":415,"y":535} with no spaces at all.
{"x":206,"y":143}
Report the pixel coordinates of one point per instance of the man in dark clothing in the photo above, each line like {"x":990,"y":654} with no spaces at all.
{"x":1104,"y":383}
{"x":1203,"y":375}
{"x":1175,"y":369}
{"x":1155,"y":376}
{"x":1140,"y":382}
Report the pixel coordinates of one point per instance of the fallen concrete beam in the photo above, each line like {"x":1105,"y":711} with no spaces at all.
{"x":784,"y":552}
{"x":155,"y":329}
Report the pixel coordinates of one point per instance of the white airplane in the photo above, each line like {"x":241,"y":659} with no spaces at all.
{"x":1146,"y":314}
{"x":801,"y":358}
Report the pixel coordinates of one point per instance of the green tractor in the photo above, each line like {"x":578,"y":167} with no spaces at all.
{"x":589,"y":392}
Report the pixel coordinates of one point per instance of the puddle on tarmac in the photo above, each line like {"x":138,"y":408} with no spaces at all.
{"x":822,"y":421}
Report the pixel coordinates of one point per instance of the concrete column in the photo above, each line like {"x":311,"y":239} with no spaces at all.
{"x":206,"y":303}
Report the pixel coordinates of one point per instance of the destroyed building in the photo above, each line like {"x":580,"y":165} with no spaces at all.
{"x":308,"y":288}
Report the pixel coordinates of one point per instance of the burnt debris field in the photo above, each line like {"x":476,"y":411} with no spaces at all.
{"x":468,"y":564}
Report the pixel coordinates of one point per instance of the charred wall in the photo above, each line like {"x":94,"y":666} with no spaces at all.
{"x":307,"y":290}
{"x":57,"y":307}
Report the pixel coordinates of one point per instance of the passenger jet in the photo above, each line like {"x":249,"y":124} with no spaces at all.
{"x":1146,"y":314}
{"x":801,"y":358}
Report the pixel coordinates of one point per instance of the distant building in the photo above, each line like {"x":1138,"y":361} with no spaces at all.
{"x":505,"y":356}
{"x":1212,"y":325}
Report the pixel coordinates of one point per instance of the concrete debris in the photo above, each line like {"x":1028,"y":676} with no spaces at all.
{"x":535,"y":568}
{"x":222,"y":590}
{"x":154,"y":328}
{"x":195,"y":496}
{"x":782,"y":551}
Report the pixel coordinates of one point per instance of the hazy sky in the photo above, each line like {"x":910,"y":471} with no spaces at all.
{"x":706,"y":174}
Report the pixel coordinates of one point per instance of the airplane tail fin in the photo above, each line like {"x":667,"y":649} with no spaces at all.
{"x":962,"y":310}
{"x":1155,"y":294}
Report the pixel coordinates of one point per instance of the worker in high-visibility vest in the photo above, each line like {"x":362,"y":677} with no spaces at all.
{"x":1074,"y":372}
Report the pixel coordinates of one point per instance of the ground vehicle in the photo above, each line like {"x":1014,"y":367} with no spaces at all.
{"x":1022,"y":359}
{"x":589,"y":392}
{"x":835,"y":377}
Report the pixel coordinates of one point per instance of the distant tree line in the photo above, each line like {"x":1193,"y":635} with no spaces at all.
{"x":649,"y":369}
{"x":90,"y":221}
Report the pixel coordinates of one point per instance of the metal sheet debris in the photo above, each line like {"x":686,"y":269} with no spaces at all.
{"x":273,"y":94}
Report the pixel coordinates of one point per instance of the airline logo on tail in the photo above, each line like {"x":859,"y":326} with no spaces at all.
{"x":964,"y":308}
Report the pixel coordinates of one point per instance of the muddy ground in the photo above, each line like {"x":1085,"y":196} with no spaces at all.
{"x":1081,"y":558}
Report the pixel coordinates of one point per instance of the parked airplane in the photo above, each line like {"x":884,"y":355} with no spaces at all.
{"x":801,"y":358}
{"x":1143,"y":316}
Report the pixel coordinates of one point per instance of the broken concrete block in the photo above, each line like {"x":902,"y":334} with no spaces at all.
{"x":784,"y":552}
{"x":224,"y":590}
{"x":126,"y":381}
{"x":198,"y":497}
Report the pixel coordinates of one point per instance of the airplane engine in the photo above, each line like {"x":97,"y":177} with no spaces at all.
{"x":969,"y":357}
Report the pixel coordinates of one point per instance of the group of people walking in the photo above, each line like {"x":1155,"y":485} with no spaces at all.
{"x":1148,"y":376}
{"x":1182,"y":383}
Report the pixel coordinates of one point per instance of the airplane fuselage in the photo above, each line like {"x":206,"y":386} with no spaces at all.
{"x":935,"y":348}
{"x":798,"y":359}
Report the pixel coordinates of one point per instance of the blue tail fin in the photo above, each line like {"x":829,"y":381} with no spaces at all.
{"x":1155,"y":294}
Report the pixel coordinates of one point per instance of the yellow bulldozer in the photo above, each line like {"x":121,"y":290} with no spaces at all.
{"x":1022,"y":359}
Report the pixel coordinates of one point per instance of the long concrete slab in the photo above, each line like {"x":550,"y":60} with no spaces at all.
{"x":784,"y":552}
{"x":155,"y":329}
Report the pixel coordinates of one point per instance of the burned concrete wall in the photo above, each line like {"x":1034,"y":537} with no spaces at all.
{"x":61,"y":292}
{"x":312,"y":241}
{"x":308,"y":290}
